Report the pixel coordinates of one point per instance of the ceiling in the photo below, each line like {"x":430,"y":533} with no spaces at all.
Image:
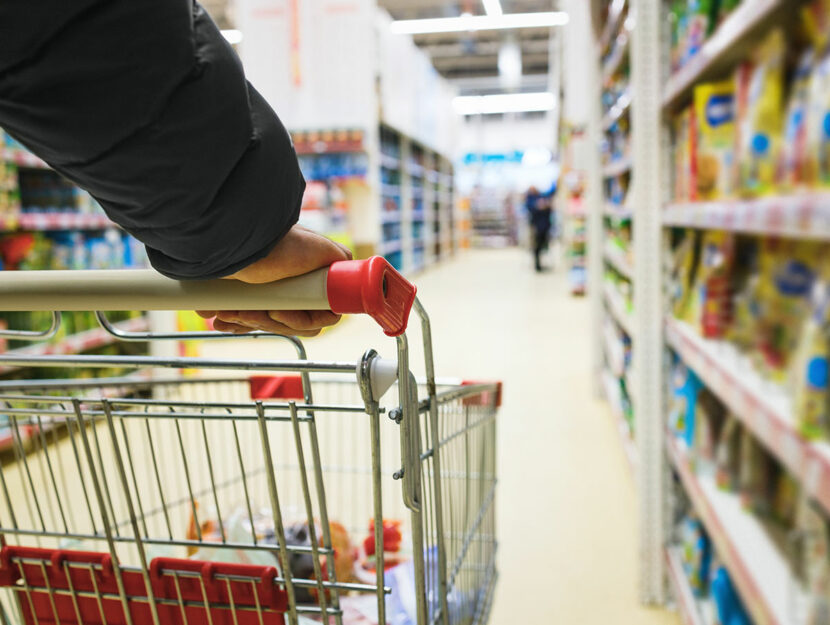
{"x":468,"y":59}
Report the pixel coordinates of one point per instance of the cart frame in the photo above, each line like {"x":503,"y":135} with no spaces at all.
{"x":453,"y":559}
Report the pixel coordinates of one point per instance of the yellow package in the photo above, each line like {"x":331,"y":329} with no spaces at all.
{"x":787,"y":273}
{"x":715,"y":116}
{"x":759,"y":98}
{"x":818,"y":123}
{"x":794,"y":150}
{"x":809,"y":375}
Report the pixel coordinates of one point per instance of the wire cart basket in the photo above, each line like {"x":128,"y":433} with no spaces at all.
{"x":240,"y":494}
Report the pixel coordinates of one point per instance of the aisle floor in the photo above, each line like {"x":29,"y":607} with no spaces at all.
{"x":566,"y":510}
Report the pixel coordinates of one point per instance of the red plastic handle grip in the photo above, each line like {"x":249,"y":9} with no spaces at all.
{"x":373,"y":287}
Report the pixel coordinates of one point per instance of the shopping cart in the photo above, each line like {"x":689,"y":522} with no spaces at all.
{"x":158,"y":497}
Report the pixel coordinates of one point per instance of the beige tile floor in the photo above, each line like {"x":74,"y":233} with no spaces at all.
{"x":566,"y":503}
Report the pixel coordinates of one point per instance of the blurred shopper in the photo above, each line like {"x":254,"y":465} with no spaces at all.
{"x":540,"y":212}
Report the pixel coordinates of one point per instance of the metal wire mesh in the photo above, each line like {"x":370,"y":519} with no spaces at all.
{"x":194,"y":468}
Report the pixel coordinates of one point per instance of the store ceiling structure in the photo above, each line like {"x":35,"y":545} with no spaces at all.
{"x":470,"y":59}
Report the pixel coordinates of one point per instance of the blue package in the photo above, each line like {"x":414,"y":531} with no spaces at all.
{"x":730,"y":609}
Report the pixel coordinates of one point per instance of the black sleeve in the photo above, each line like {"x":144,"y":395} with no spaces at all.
{"x":145,"y":105}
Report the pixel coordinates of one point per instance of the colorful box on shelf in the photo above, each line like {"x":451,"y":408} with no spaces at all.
{"x":760,"y":572}
{"x":320,"y":142}
{"x":804,"y":215}
{"x":763,"y":407}
{"x":738,"y":28}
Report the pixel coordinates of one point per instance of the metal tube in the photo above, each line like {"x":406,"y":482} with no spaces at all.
{"x":173,"y":363}
{"x":312,"y":531}
{"x":102,"y":508}
{"x":35,"y":335}
{"x":122,"y":474}
{"x":276,"y":512}
{"x":426,"y":331}
{"x":144,"y":289}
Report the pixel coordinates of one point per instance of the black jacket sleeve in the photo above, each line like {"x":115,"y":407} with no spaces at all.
{"x":145,"y":105}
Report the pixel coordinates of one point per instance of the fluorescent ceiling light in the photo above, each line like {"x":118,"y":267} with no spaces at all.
{"x":504,"y":103}
{"x":232,"y":35}
{"x":492,"y":7}
{"x":510,"y":65}
{"x":479,"y":22}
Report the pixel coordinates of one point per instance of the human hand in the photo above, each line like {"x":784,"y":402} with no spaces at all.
{"x":300,"y":251}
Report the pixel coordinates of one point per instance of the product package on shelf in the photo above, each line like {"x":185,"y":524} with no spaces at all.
{"x":759,"y":86}
{"x":768,"y":298}
{"x":754,"y":492}
{"x":715,"y":142}
{"x":693,"y":22}
{"x":71,"y":250}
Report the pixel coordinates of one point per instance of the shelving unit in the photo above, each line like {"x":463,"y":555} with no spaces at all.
{"x":576,"y":239}
{"x":689,"y":608}
{"x":78,"y":343}
{"x":416,"y":203}
{"x":724,"y":48}
{"x":615,"y":272}
{"x":413,"y":192}
{"x":60,"y":226}
{"x":763,"y":578}
{"x":612,"y":394}
{"x":617,"y":258}
{"x":802,"y":216}
{"x":385,"y":90}
{"x":617,"y":167}
{"x":749,"y":548}
{"x":762,"y":406}
{"x":54,"y":221}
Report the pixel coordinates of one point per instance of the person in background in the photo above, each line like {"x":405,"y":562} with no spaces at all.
{"x":540,"y":212}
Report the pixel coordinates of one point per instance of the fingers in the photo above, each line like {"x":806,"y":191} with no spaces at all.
{"x":206,"y":314}
{"x":346,"y":250}
{"x":293,"y":323}
{"x":304,"y":319}
{"x":273,"y":328}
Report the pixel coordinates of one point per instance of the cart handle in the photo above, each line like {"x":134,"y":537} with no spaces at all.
{"x":370,"y":286}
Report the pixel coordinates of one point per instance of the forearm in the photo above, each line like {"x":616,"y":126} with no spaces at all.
{"x":146,"y":106}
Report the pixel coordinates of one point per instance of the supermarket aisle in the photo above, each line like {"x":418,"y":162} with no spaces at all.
{"x":566,"y":503}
